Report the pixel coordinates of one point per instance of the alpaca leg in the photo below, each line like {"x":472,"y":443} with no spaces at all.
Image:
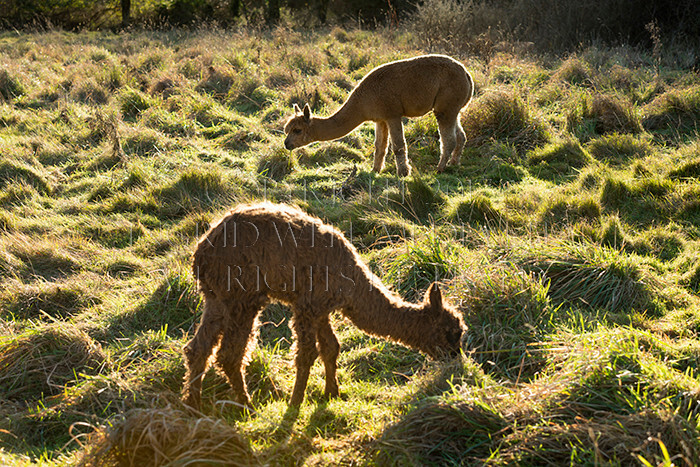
{"x":448,"y":139}
{"x":199,"y":349}
{"x":398,"y":144}
{"x":461,"y":140}
{"x":329,"y":348}
{"x":236,"y":343}
{"x":381,"y":140}
{"x":305,"y":331}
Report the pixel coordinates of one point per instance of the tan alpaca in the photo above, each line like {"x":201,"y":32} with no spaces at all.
{"x":263,"y":252}
{"x":404,"y":88}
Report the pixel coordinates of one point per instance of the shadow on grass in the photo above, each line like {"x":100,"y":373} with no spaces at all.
{"x":173,"y":306}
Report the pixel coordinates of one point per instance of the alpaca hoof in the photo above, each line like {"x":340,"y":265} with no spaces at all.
{"x":403,"y":171}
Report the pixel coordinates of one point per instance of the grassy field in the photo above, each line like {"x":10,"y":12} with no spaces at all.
{"x":569,"y":237}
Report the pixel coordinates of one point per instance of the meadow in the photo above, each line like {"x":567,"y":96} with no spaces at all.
{"x":568,"y":236}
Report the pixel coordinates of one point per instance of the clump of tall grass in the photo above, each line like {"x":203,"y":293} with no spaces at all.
{"x":677,"y":110}
{"x":416,"y":200}
{"x":505,"y":117}
{"x":277,"y":163}
{"x":604,"y":113}
{"x":561,"y":209}
{"x":166,"y":436}
{"x":195,"y":188}
{"x":410,"y":267}
{"x":559,"y":159}
{"x":217,"y":83}
{"x":474,"y":208}
{"x":616,"y":149}
{"x":12,"y":171}
{"x":133,"y":102}
{"x":595,"y":277}
{"x":442,"y":433}
{"x":87,"y":91}
{"x":43,"y":360}
{"x":507,"y":312}
{"x":690,"y":167}
{"x":573,"y":71}
{"x":10,"y":85}
{"x":54,"y":299}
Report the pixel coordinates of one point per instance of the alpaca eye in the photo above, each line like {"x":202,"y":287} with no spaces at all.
{"x":296,"y":131}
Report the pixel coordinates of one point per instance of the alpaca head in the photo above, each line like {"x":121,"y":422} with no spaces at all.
{"x":297,"y":128}
{"x":448,"y":328}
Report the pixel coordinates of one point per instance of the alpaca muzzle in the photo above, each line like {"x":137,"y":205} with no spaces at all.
{"x":288,"y":144}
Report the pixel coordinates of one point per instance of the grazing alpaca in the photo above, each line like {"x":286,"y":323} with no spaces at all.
{"x":404,"y":88}
{"x":263,"y":252}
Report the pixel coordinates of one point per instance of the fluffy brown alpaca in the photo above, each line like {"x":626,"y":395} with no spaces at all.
{"x":263,"y":252}
{"x":404,"y":88}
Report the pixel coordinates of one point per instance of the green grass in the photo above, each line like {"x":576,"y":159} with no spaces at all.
{"x":568,"y":238}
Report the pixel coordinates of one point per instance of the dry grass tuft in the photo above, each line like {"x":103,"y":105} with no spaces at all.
{"x":504,"y":116}
{"x":439,"y":433}
{"x":45,"y":359}
{"x":167,"y":436}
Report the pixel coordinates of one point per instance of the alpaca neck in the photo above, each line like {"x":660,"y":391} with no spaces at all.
{"x":377,"y":311}
{"x":342,"y":122}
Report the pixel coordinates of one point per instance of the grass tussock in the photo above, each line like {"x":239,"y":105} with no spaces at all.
{"x":676,"y":111}
{"x":504,"y":116}
{"x":558,"y":160}
{"x":167,"y":437}
{"x":597,"y":278}
{"x":42,"y":361}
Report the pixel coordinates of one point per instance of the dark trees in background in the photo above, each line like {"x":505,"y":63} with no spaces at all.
{"x":234,"y":8}
{"x":272,"y":12}
{"x":126,"y":12}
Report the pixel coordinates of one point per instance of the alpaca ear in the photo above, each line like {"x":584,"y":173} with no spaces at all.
{"x":307,"y":112}
{"x":435,"y":296}
{"x":297,"y":110}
